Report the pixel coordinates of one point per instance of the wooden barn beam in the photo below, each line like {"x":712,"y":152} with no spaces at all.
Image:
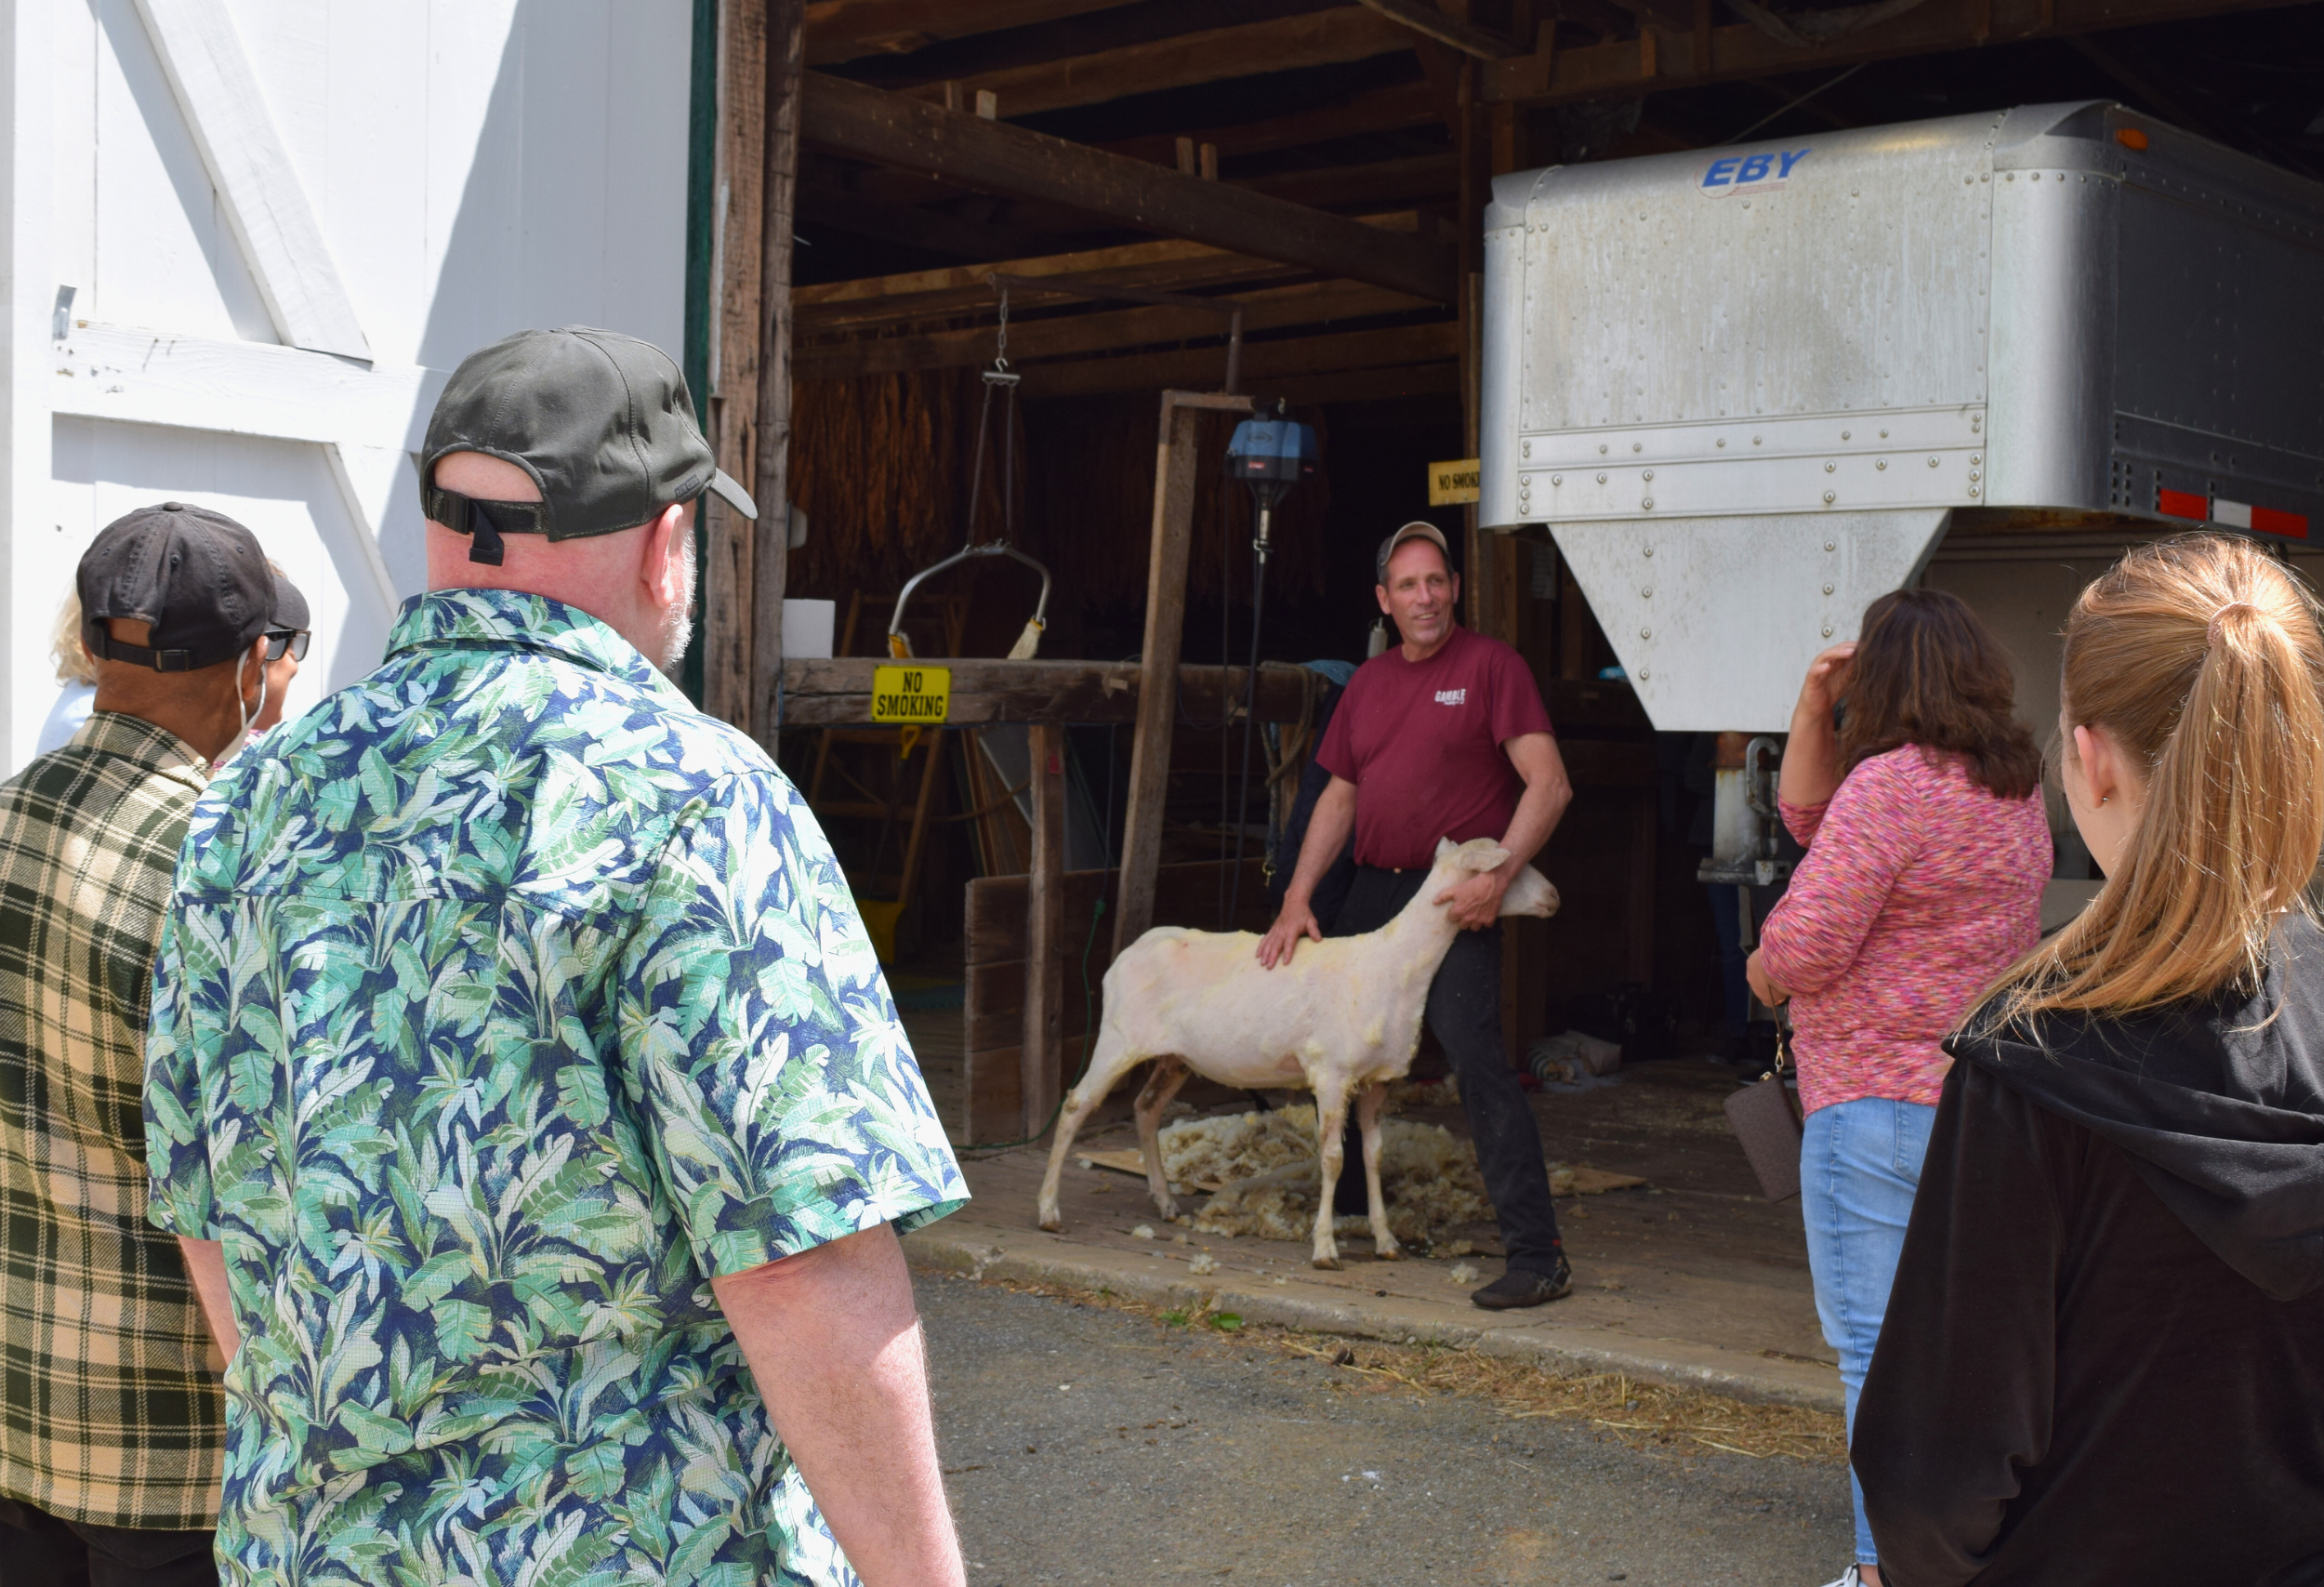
{"x":1659,"y":59}
{"x":837,"y":692}
{"x":771,"y":484}
{"x":1382,"y":181}
{"x":1209,"y":55}
{"x":849,"y":30}
{"x":1369,"y":385}
{"x":730,"y":539}
{"x":1380,"y":110}
{"x":992,"y":157}
{"x":914,"y":226}
{"x":1263,"y":363}
{"x":1307,"y":303}
{"x":1430,"y":23}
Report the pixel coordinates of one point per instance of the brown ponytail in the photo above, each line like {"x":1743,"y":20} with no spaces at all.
{"x":2201,"y":656}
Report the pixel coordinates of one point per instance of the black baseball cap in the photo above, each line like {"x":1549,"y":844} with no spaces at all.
{"x":197,"y":576}
{"x":602,"y":423}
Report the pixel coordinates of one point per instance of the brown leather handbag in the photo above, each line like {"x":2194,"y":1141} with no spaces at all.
{"x":1766,"y":1118}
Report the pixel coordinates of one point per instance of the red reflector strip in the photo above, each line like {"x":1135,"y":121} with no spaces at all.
{"x":2274,"y":521}
{"x":2181,"y":504}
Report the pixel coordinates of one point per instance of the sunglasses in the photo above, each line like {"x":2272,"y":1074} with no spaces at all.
{"x":294,"y":640}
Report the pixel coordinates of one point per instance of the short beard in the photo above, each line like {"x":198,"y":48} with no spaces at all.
{"x":677,"y":623}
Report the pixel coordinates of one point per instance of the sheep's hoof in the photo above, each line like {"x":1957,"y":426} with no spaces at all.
{"x":1389,"y":1253}
{"x":1167,"y":1208}
{"x":1051,"y":1221}
{"x":1328,"y":1264}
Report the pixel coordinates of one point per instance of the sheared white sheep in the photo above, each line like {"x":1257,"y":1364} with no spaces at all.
{"x":1343,"y":1019}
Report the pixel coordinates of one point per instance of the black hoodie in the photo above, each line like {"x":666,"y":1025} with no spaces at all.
{"x":2102,"y":1360}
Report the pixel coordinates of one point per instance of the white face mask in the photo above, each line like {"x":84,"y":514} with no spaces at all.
{"x":249,"y":715}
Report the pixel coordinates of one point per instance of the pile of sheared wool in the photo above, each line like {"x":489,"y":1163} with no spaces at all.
{"x":1430,"y":1179}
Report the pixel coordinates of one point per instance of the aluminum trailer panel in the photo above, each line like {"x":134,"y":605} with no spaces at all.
{"x":1746,"y":389}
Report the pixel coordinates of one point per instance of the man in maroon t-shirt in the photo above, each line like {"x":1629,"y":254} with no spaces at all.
{"x":1444,"y":736}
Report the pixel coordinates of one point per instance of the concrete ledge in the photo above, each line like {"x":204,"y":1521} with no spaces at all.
{"x":975,"y":1251}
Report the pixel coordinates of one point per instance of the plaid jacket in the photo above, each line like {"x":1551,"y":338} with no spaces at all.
{"x":109,"y":1411}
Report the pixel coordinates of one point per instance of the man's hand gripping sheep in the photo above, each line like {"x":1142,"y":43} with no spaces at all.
{"x":1342,"y":1018}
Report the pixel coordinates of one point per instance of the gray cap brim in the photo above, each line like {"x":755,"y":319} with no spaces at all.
{"x":732,"y":493}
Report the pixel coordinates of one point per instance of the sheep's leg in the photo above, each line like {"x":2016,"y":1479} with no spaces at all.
{"x":1331,"y":1123}
{"x":1112,"y":1059}
{"x":1367,"y":1110}
{"x":1161,"y":1085}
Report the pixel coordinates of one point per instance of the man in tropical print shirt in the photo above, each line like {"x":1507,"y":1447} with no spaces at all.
{"x":521,"y":1084}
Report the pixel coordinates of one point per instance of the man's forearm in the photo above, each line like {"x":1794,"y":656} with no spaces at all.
{"x":205,"y":1266}
{"x":1543,"y":805}
{"x":1327,"y":828}
{"x":833,"y":1339}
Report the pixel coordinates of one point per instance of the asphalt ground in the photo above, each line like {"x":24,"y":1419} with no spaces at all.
{"x":1087,"y":1444}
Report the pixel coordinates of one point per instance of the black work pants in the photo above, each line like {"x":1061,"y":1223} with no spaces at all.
{"x":1464,"y":1009}
{"x":40,"y":1550}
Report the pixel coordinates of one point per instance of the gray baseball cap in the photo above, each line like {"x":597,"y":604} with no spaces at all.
{"x":603,"y":422}
{"x":1419,"y":529}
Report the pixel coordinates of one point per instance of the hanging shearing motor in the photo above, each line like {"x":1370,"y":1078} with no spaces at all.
{"x":1270,"y":453}
{"x":998,"y":378}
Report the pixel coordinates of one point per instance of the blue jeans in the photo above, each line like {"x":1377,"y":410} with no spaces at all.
{"x":1859,"y":1166}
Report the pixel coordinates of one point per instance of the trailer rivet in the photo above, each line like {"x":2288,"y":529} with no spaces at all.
{"x":1827,"y":499}
{"x":1528,"y":449}
{"x":1557,"y":479}
{"x":1754,"y":440}
{"x":1601,"y":448}
{"x":1883,"y":435}
{"x":1601,"y":478}
{"x":1648,"y":505}
{"x":1831,"y":467}
{"x":1881,"y":464}
{"x":1976,"y":458}
{"x":1931,"y":462}
{"x":1827,"y":630}
{"x":1843,"y":435}
{"x":1973,"y":490}
{"x":1646,"y":633}
{"x":1644,"y":675}
{"x":1831,"y":545}
{"x":1637,"y":446}
{"x":1646,"y":475}
{"x":1647,"y":593}
{"x":1524,"y":481}
{"x":1650,"y":550}
{"x":1722,"y":441}
{"x":1975,"y":476}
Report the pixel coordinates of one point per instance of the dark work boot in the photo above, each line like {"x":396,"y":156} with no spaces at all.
{"x":1521,"y":1287}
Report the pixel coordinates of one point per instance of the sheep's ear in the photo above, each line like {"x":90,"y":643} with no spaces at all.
{"x":1489,"y":857}
{"x":1444,"y":846}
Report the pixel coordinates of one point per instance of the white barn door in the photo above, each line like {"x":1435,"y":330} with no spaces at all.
{"x":247,"y":240}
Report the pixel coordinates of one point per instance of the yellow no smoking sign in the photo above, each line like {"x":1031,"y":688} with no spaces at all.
{"x":917,"y":695}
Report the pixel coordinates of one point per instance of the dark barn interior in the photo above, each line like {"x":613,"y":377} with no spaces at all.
{"x":866,"y":169}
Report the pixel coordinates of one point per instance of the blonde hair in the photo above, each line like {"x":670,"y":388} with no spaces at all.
{"x":2201,"y":657}
{"x":73,"y":663}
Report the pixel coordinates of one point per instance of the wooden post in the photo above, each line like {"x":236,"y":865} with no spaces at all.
{"x":731,"y":410}
{"x":1174,"y":466}
{"x":786,"y":67}
{"x":1042,"y":1057}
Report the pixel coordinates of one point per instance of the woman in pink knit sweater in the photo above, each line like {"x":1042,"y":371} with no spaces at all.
{"x":1927,"y":847}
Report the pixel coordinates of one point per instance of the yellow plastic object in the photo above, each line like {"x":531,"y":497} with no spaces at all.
{"x":898,"y":647}
{"x":879,"y":921}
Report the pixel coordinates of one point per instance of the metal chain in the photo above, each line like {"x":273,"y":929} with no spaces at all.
{"x":1000,"y":344}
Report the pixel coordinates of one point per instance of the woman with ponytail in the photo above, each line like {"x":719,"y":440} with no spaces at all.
{"x":2104,"y":1359}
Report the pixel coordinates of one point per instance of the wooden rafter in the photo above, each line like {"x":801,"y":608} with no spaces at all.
{"x":1171,"y":265}
{"x":1657,"y":59}
{"x":1263,"y":363}
{"x":1211,"y":55}
{"x":1430,"y":23}
{"x":1012,"y":162}
{"x":1308,"y":303}
{"x":1382,"y":181}
{"x":848,"y":30}
{"x":1381,"y":110}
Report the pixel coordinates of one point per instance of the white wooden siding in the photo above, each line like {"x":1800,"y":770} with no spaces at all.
{"x":415,"y":178}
